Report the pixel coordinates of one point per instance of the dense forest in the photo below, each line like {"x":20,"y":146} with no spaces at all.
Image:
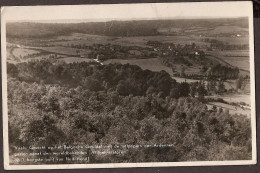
{"x":87,"y":103}
{"x":112,"y":28}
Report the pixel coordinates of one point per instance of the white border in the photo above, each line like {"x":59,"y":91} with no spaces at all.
{"x":155,"y":10}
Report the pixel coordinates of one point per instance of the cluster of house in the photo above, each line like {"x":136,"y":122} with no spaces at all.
{"x":102,"y":52}
{"x":167,"y":49}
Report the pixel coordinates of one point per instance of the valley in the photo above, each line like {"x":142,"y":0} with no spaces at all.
{"x":196,"y":54}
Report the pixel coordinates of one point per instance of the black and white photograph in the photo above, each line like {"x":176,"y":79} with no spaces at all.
{"x":128,"y":85}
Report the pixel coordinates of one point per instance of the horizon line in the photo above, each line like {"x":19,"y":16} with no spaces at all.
{"x":67,"y":21}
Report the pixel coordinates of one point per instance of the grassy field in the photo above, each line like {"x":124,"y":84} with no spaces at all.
{"x":237,"y":53}
{"x":232,"y":109}
{"x":231,"y":84}
{"x":80,"y":39}
{"x":179,"y":79}
{"x":21,"y":52}
{"x":233,"y":98}
{"x":236,"y":98}
{"x":62,"y":50}
{"x":9,"y":54}
{"x":227,"y":29}
{"x":232,"y":40}
{"x":240,"y":62}
{"x":75,"y":59}
{"x":237,"y":58}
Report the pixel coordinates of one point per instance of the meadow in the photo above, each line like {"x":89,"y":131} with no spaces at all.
{"x":22,"y":52}
{"x":75,"y":60}
{"x":233,"y":110}
{"x":59,"y":50}
{"x":238,"y":58}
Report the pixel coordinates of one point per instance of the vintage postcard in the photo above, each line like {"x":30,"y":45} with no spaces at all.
{"x":128,"y":85}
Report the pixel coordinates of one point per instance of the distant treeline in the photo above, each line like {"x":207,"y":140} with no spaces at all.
{"x":112,"y":28}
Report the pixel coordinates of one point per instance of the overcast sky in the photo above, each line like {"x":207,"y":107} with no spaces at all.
{"x":89,"y":13}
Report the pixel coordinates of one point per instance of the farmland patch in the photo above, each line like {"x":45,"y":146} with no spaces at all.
{"x":75,"y":59}
{"x":233,"y":110}
{"x":22,"y":52}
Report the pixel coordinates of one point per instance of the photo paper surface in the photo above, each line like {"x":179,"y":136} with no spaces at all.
{"x":128,"y":85}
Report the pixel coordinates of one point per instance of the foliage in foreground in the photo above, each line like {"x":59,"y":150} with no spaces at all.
{"x":89,"y":104}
